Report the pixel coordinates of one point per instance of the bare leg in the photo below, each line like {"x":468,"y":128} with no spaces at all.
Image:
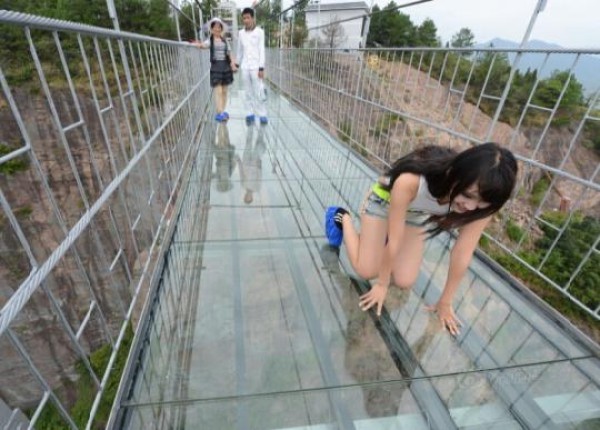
{"x":224,"y":90}
{"x":365,"y":250}
{"x":406,"y":265}
{"x":219,"y":98}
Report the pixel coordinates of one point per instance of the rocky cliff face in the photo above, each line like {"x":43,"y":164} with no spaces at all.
{"x":48,"y":193}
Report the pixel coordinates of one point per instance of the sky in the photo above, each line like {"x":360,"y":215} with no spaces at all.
{"x":569,"y":23}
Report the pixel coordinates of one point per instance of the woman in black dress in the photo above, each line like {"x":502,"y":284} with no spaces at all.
{"x":222,"y":65}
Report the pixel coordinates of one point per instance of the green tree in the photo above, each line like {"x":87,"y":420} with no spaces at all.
{"x":186,"y":25}
{"x":391,"y":28}
{"x":518,"y":95}
{"x":93,"y":12}
{"x":492,"y":70}
{"x":569,"y":251}
{"x":300,"y":31}
{"x":206,"y":6}
{"x":160,"y":24}
{"x":549,"y":90}
{"x":463,"y":39}
{"x":133,"y":15}
{"x":267,"y":16}
{"x":14,"y":50}
{"x":427,"y":34}
{"x":375,"y":29}
{"x":402,"y":31}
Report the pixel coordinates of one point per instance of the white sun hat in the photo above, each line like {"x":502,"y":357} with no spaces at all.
{"x":210,"y":23}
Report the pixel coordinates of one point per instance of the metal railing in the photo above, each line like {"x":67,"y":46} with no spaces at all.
{"x":99,"y":130}
{"x":385,"y":102}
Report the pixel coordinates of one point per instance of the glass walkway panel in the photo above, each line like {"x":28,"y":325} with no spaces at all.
{"x":256,"y":323}
{"x":127,"y":212}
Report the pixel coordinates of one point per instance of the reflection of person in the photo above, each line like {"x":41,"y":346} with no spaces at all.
{"x":251,"y":163}
{"x":222,"y":65}
{"x":367,"y":354}
{"x":225,"y":159}
{"x":251,"y":54}
{"x":367,"y":357}
{"x":428,"y":191}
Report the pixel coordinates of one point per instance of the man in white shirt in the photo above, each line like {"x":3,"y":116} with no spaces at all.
{"x":251,"y":56}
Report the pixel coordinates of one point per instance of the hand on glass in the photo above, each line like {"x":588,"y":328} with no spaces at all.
{"x":375,"y":297}
{"x":447,"y":317}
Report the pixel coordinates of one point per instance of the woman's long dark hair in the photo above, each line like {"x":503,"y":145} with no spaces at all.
{"x":448,"y":174}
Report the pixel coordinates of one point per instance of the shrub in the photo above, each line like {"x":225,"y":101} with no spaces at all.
{"x":539,"y":190}
{"x":50,"y":418}
{"x":12,"y":166}
{"x":514,"y":231}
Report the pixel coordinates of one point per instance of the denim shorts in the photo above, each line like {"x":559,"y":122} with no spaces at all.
{"x":375,"y":206}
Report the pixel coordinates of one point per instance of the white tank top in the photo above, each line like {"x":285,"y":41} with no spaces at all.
{"x":425,"y":202}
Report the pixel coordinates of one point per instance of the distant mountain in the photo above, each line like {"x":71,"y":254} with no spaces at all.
{"x":587,"y":70}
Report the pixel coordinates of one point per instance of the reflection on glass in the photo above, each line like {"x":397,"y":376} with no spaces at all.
{"x":225,"y":158}
{"x":367,"y":360}
{"x":251,"y":163}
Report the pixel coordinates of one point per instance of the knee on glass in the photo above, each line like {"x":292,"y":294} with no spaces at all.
{"x":404,"y":280}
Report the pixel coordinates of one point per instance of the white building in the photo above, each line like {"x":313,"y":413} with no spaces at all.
{"x":347,"y":34}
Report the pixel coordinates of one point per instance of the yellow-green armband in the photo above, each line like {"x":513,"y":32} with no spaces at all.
{"x":381,"y":192}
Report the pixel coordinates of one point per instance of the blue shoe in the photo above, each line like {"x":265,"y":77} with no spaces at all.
{"x":333,"y":232}
{"x":219,"y":117}
{"x":225,"y":116}
{"x":264,"y":120}
{"x":250,"y":118}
